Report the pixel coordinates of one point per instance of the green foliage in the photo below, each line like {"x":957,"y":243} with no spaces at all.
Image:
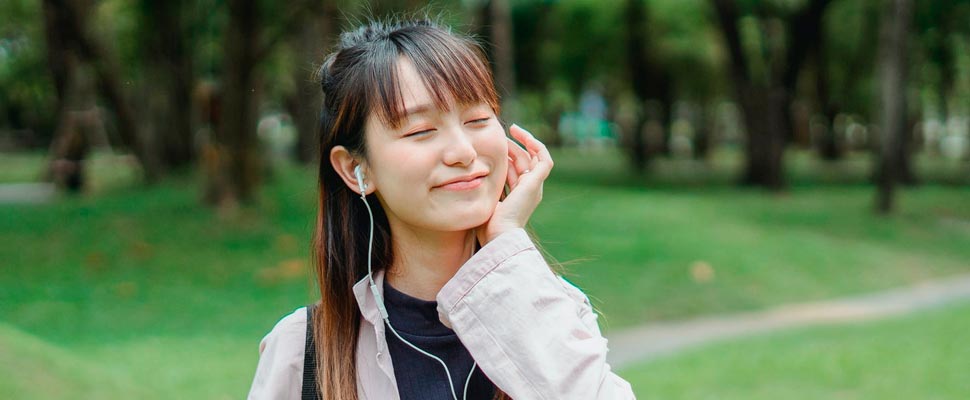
{"x":688,"y":45}
{"x":851,"y":31}
{"x":27,"y":97}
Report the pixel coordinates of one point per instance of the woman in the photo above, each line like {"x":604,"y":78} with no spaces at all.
{"x":430,"y":287}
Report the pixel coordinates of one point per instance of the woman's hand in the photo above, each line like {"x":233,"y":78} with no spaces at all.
{"x":528,"y":169}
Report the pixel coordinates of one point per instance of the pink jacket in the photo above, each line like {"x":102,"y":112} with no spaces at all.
{"x":532,"y":333}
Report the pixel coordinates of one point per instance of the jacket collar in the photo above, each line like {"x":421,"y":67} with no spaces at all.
{"x":365,"y":299}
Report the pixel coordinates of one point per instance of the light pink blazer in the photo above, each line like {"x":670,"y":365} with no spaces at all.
{"x":532,"y":333}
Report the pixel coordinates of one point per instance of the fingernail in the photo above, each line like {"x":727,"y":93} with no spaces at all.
{"x":525,"y":130}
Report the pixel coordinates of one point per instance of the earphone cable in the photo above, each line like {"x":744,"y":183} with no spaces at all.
{"x":380,"y":303}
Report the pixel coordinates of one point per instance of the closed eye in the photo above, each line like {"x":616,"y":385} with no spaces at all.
{"x":480,"y":120}
{"x":419,"y":132}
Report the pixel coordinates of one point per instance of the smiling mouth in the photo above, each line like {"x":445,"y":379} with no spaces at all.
{"x":463,"y":185}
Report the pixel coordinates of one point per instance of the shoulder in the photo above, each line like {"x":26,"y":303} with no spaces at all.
{"x":289,"y":331}
{"x":279,"y":373}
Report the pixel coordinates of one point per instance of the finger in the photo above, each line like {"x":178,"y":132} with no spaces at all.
{"x":520,"y":157}
{"x":542,"y":158}
{"x":512,"y":176}
{"x":527,"y":154}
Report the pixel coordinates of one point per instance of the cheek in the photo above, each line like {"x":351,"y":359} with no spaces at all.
{"x":495,"y":147}
{"x":401,"y":172}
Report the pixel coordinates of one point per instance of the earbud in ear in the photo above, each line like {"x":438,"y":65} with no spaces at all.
{"x":359,"y":173}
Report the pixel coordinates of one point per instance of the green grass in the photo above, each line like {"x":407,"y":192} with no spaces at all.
{"x":142,"y":285}
{"x":35,"y":369}
{"x":915,"y":357}
{"x":643,"y":238}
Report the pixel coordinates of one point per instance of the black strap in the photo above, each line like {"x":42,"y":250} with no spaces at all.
{"x":310,"y":391}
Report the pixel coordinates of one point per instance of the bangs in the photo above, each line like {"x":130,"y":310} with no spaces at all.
{"x":451,"y":68}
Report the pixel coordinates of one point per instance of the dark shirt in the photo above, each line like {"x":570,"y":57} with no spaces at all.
{"x":421,"y":377}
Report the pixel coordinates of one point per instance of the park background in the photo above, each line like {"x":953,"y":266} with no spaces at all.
{"x":157,"y":186}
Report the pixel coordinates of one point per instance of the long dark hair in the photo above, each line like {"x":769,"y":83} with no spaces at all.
{"x":358,"y":78}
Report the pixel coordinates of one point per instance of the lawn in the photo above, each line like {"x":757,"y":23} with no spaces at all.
{"x":922,"y":356}
{"x":140,"y":292}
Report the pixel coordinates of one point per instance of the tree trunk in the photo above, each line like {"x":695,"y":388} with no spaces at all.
{"x":804,"y":37}
{"x":829,"y":144}
{"x":304,"y":104}
{"x":702,"y":122}
{"x":892,"y":74}
{"x":77,"y":116}
{"x":502,"y":45}
{"x":71,"y":16}
{"x":169,"y":69}
{"x":637,"y":66}
{"x":764,"y":118}
{"x":763,"y":105}
{"x":233,"y":157}
{"x":69,"y":146}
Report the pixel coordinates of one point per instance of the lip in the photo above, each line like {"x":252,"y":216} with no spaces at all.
{"x":464,"y":182}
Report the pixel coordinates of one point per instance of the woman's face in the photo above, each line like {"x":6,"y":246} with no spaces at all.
{"x":409,"y":166}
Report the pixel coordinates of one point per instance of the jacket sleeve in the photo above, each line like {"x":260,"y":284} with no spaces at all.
{"x":279,"y":373}
{"x":533,"y":334}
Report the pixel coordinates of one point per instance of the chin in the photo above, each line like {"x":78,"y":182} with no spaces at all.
{"x":471,"y":217}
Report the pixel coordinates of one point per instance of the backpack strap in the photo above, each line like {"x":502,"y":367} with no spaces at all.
{"x":310,"y":391}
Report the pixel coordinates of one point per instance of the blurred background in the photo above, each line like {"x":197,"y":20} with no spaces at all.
{"x":758,"y":164}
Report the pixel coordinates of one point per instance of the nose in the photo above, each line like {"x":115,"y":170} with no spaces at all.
{"x":460,"y":149}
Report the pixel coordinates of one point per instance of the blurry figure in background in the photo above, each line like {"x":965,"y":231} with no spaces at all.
{"x":589,"y":128}
{"x":277,"y":133}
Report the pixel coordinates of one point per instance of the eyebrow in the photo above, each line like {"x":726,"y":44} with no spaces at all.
{"x":418,"y":109}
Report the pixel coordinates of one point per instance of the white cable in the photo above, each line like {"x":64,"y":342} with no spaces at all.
{"x":464,"y":394}
{"x":383,"y":310}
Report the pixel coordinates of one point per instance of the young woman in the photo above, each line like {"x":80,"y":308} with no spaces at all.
{"x":430,"y":288}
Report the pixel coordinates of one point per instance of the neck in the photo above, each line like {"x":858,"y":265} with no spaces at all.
{"x":425,"y":261}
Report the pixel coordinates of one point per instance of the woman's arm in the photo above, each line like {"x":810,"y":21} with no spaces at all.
{"x":533,"y":334}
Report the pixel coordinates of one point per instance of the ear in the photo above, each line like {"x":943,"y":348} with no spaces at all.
{"x":343,"y":162}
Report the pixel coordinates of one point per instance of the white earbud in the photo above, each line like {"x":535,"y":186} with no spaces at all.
{"x":360,"y":179}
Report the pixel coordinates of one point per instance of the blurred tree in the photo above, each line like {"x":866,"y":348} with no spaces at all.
{"x":27,"y":95}
{"x":500,"y":26}
{"x":319,"y":30}
{"x":893,"y":71}
{"x":687,"y":50}
{"x":492,"y":20}
{"x":167,"y":58}
{"x":764,"y":85}
{"x":69,"y":43}
{"x":650,"y":84}
{"x":232,"y":159}
{"x":848,"y":57}
{"x":761,"y":100}
{"x":939,"y":26}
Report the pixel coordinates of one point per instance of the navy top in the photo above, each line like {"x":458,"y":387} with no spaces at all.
{"x":421,"y":377}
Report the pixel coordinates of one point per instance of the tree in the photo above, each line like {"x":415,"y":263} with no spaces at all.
{"x":169,"y":80}
{"x":893,"y":73}
{"x":304,"y":102}
{"x":765,"y":96}
{"x":233,"y":160}
{"x":639,"y":71}
{"x":70,"y":44}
